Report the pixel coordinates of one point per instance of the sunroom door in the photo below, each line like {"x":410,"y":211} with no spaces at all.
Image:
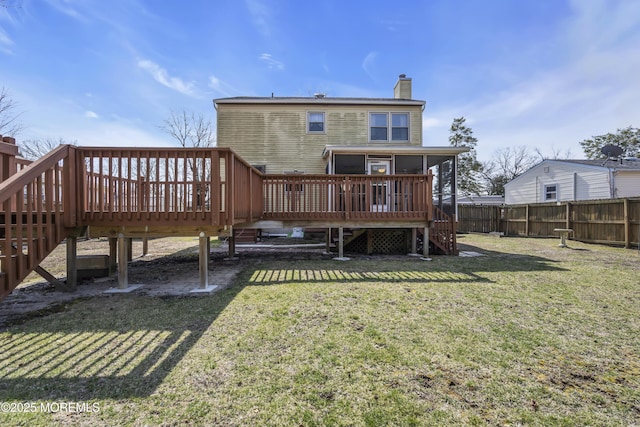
{"x":380,"y":189}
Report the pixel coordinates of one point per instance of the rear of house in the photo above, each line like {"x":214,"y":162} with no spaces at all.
{"x":340,"y":136}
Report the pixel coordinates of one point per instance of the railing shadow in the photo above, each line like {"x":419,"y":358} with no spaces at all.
{"x":73,"y":358}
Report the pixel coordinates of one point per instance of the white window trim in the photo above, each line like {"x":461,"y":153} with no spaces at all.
{"x":324,"y":122}
{"x":545,"y":192}
{"x":390,"y":127}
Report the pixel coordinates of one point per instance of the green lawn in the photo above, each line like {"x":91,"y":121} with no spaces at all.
{"x":529,"y":334}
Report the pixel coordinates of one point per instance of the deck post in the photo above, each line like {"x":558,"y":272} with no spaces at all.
{"x":232,"y":243}
{"x":123,"y":260}
{"x":123,"y":267}
{"x":425,"y":244}
{"x":204,"y":243}
{"x":72,"y":269}
{"x":204,"y":261}
{"x":328,"y":241}
{"x":414,"y":242}
{"x":113,"y":256}
{"x":145,"y":246}
{"x":341,"y":256}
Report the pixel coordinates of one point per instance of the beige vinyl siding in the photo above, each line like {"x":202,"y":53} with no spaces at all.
{"x":276,"y":135}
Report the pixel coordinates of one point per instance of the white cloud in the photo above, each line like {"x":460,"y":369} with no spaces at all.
{"x":260,"y":15}
{"x":91,"y":115}
{"x":162,"y":76}
{"x":221,"y":87}
{"x":5,"y":43}
{"x":272,"y":63}
{"x":65,"y":8}
{"x":369,"y":62}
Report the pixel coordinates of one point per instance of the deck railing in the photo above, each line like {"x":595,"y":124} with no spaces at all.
{"x":347,"y":197}
{"x":151,"y":186}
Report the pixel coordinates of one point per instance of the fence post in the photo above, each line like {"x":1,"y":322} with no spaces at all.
{"x":627,"y":225}
{"x":568,"y":218}
{"x":526,"y":221}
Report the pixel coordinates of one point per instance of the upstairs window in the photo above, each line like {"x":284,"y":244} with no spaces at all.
{"x":399,"y":127}
{"x":378,"y":123}
{"x":551,"y":192}
{"x":383,"y":129}
{"x":315,"y":122}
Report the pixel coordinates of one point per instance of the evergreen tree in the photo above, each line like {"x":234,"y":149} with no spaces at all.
{"x":628,"y":139}
{"x":469,"y":168}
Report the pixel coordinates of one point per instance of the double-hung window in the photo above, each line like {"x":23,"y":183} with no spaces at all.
{"x":551,"y":192}
{"x":315,"y":122}
{"x":389,"y":126}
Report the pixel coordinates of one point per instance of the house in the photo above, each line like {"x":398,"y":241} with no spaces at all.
{"x":306,"y":136}
{"x":570,"y":180}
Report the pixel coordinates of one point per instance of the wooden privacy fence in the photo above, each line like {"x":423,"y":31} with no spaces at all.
{"x":610,"y":221}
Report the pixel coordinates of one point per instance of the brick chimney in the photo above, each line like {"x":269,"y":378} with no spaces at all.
{"x":402,"y":89}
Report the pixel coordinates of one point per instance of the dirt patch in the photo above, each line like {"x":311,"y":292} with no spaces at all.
{"x":170,"y":269}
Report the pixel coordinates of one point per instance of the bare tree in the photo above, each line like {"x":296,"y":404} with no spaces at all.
{"x":10,"y":124}
{"x":189,"y":129}
{"x":506,"y":164}
{"x":556,"y":154}
{"x":33,"y":149}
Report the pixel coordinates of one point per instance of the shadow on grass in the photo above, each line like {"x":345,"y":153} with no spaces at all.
{"x":117,"y":347}
{"x":124,"y":346}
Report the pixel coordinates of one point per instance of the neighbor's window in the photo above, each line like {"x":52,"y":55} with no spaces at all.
{"x":551,"y":192}
{"x":381,"y":129}
{"x":315,"y":122}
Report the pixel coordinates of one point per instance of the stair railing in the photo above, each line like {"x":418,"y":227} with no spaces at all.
{"x":37,"y":211}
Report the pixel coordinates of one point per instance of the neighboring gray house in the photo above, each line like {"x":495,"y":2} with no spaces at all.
{"x":570,"y":180}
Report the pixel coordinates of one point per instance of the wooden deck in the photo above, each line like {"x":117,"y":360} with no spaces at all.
{"x":182,"y":191}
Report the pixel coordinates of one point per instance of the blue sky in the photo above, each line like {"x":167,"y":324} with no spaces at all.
{"x":541,"y":73}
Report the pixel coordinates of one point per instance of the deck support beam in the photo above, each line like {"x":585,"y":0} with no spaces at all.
{"x":232,"y":244}
{"x":414,"y":242}
{"x":124,"y":254}
{"x":113,"y":256}
{"x":425,"y":244}
{"x":203,"y":261}
{"x":204,"y":245}
{"x":72,"y":268}
{"x":341,"y":256}
{"x":123,"y":262}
